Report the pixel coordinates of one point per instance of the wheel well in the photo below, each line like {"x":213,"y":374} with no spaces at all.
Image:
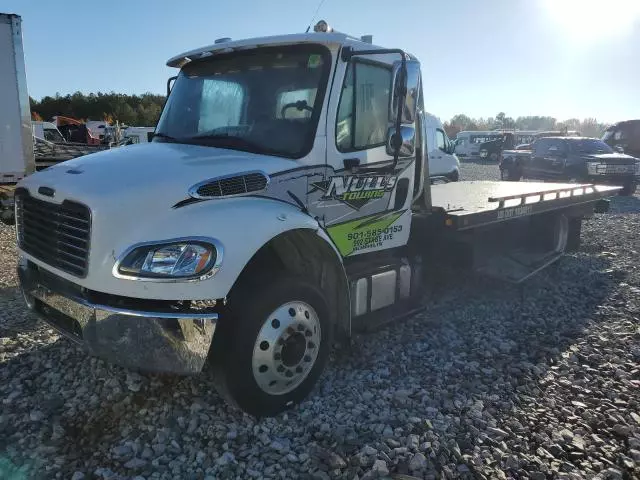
{"x":302,"y":252}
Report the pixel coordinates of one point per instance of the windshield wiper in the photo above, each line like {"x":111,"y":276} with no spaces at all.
{"x":165,"y":136}
{"x":226,"y":140}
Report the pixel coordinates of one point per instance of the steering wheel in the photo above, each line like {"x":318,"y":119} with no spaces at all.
{"x":300,"y":105}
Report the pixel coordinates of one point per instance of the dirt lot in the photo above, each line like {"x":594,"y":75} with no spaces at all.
{"x":484,"y":384}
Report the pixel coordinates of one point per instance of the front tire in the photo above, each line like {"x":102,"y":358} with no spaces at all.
{"x":510,"y":174}
{"x":275,"y":342}
{"x":454,"y":176}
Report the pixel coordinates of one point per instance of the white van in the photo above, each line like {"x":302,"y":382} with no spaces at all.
{"x":137,"y":134}
{"x":442,"y":159}
{"x":47,"y":131}
{"x":468,"y":142}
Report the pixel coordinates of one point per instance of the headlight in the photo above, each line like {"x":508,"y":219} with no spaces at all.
{"x":180,"y":259}
{"x":592,"y":168}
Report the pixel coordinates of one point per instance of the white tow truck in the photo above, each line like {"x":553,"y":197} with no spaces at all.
{"x":283,"y":204}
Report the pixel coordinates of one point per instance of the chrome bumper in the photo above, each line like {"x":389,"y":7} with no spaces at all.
{"x":171,"y":342}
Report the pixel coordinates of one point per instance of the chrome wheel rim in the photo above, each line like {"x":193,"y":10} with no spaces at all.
{"x":286,"y":348}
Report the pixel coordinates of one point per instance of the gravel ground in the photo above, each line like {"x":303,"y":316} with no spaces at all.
{"x":489,"y":382}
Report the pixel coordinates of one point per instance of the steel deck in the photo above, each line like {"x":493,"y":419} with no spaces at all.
{"x":471,"y":204}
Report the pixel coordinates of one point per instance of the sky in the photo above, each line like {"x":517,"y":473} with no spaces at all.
{"x":562,"y":58}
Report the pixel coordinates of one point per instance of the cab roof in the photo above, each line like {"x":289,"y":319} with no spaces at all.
{"x":291,"y":39}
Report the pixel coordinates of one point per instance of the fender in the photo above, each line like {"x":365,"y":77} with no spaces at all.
{"x":241,"y":225}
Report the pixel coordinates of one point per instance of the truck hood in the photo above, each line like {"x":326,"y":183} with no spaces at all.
{"x":153,"y":175}
{"x":610,"y":158}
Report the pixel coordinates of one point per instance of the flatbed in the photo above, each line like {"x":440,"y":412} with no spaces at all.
{"x":472,"y":204}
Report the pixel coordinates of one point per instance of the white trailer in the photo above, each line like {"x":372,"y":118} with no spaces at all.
{"x":16,"y":137}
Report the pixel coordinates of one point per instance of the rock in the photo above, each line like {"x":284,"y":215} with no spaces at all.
{"x":611,"y":474}
{"x":556,"y":450}
{"x":320,"y":475}
{"x":121,"y":451}
{"x":332,"y":459}
{"x":496,"y":432}
{"x":418,"y":463}
{"x":413,"y":441}
{"x":135,"y":463}
{"x":622,"y":430}
{"x":368,"y":450}
{"x":226,"y":459}
{"x":537,"y":476}
{"x":78,"y":476}
{"x":578,"y":443}
{"x":380,"y":467}
{"x":36,"y":415}
{"x":387,"y":432}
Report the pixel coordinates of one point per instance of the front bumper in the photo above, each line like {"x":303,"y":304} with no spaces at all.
{"x":147,"y":340}
{"x":613,"y":179}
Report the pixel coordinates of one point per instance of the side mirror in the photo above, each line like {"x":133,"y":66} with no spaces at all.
{"x":619,"y":148}
{"x":410,"y":104}
{"x":406,"y":142}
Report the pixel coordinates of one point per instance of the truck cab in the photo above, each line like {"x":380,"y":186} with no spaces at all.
{"x":284,"y":202}
{"x":624,"y":136}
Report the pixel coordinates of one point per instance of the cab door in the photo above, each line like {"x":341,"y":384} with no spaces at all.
{"x":533,"y":167}
{"x":555,"y":159}
{"x":364,"y":201}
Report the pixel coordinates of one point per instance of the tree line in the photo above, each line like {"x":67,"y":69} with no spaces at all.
{"x":134,"y":110}
{"x":144,"y":110}
{"x":588,"y":127}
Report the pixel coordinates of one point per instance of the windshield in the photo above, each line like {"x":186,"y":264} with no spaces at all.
{"x":590,"y":145}
{"x":265,"y":100}
{"x":53,"y":135}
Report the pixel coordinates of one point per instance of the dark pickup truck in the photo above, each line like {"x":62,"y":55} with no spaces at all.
{"x":572,"y":159}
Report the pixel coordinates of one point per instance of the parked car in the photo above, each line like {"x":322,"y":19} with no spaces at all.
{"x":624,"y":136}
{"x":551,"y":133}
{"x":572,"y":159}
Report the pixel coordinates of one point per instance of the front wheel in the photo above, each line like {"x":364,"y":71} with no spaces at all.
{"x":454,"y":176}
{"x":510,"y":174}
{"x":275,"y":343}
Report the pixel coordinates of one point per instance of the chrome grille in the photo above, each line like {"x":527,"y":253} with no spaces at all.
{"x":229,"y":186}
{"x":57,"y":234}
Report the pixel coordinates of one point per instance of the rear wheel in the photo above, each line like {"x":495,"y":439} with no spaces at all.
{"x":550,"y":232}
{"x":454,"y":176}
{"x":629,"y":188}
{"x":275,"y":343}
{"x":574,"y":238}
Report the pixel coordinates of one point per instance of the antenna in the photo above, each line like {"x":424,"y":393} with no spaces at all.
{"x":314,"y":15}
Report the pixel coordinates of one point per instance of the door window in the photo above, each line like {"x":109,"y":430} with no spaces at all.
{"x":441,"y":143}
{"x":363,"y":115}
{"x":541,"y":146}
{"x":556,"y":147}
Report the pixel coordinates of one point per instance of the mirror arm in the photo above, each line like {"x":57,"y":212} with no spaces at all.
{"x":402,"y":86}
{"x":171,"y":79}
